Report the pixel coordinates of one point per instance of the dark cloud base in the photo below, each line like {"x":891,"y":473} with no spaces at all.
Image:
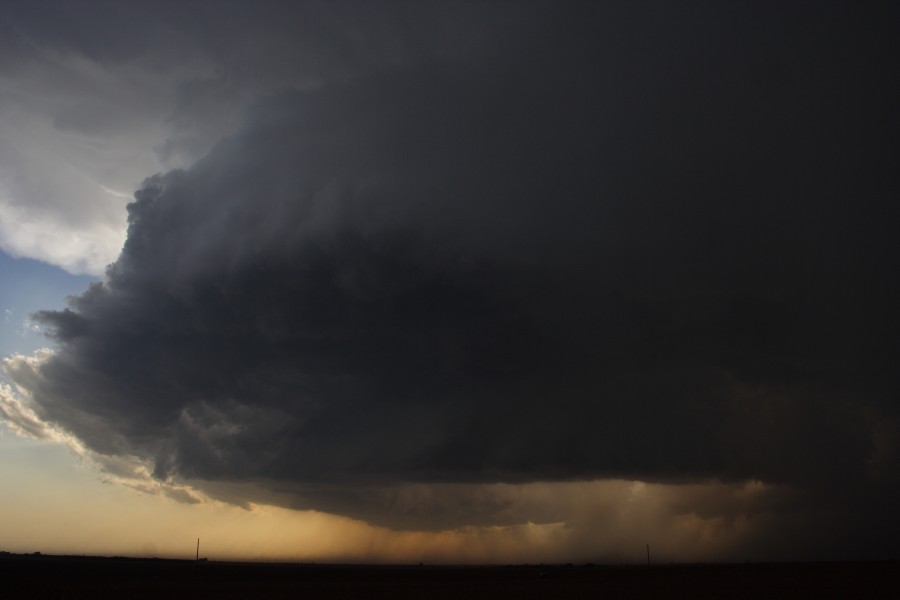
{"x":576,"y":257}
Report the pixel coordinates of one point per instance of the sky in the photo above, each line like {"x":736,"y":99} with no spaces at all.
{"x":453,"y":282}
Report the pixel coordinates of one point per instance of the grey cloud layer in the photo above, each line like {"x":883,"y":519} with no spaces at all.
{"x":581,"y":255}
{"x":96,"y":95}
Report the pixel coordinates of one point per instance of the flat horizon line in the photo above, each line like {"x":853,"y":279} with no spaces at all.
{"x":37,"y":555}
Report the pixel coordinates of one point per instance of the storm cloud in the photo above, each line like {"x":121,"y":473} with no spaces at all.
{"x":652,"y":245}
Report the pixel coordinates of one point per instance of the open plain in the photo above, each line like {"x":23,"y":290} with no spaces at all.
{"x":32,"y":576}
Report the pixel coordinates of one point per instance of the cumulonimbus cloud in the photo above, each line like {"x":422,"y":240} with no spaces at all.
{"x":495,"y":271}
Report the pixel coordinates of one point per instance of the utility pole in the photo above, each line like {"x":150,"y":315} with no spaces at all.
{"x":648,"y":553}
{"x":198,"y":550}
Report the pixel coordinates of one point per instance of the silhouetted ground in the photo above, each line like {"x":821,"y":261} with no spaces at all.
{"x":25,"y":576}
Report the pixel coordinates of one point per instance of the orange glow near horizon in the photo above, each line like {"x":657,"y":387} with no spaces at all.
{"x":72,"y":512}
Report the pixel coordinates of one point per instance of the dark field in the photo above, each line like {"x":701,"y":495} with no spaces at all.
{"x":89,"y":577}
